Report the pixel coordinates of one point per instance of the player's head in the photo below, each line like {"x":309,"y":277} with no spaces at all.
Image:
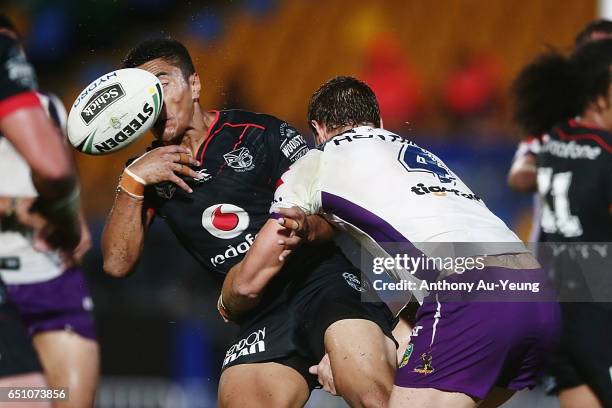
{"x":7,"y":26}
{"x":170,"y":61}
{"x":339,"y":104}
{"x":592,"y":67}
{"x":594,"y":31}
{"x":554,"y":87}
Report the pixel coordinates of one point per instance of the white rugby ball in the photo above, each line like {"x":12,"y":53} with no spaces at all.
{"x":114,"y":110}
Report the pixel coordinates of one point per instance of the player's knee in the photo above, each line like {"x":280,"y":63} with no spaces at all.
{"x":364,"y":391}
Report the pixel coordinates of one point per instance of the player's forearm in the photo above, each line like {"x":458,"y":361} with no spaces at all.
{"x":247,"y":280}
{"x":234,"y":302}
{"x":522,"y":176}
{"x":38,"y":142}
{"x":319,"y":229}
{"x":123,"y":235}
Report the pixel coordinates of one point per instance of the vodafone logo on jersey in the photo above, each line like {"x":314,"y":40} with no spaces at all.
{"x":225,"y":221}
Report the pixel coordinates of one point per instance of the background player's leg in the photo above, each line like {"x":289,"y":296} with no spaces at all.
{"x":20,"y":381}
{"x":262,"y":385}
{"x":76,"y":370}
{"x":363,"y":362}
{"x":579,"y":397}
{"x":428,"y":398}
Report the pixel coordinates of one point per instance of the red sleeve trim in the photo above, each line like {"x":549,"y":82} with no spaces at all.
{"x":21,"y":100}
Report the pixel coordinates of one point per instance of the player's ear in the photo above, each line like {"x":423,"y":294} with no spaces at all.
{"x":196,"y":86}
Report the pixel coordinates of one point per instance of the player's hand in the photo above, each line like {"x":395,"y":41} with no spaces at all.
{"x":295,"y":220}
{"x":47,"y":236}
{"x":324,"y":374}
{"x":75,"y":257}
{"x":164,"y":164}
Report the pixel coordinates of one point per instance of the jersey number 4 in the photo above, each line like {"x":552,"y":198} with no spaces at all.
{"x":414,"y":158}
{"x":557,"y":220}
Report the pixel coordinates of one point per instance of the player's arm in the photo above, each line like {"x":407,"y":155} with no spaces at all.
{"x":247,"y":280}
{"x":26,"y":125}
{"x":522,"y":176}
{"x":129,"y":218}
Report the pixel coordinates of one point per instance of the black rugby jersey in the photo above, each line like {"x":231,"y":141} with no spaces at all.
{"x":17,"y":78}
{"x":575,"y":184}
{"x":242,"y":159}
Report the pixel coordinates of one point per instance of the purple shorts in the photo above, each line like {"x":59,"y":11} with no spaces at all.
{"x":471,"y":346}
{"x":62,"y":303}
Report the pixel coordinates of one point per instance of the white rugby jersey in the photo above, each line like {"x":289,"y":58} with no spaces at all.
{"x":381,"y":188}
{"x":34,"y":266}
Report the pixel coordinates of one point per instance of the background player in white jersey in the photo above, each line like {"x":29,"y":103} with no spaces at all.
{"x":381,"y":189}
{"x":24,"y":123}
{"x":47,"y":287}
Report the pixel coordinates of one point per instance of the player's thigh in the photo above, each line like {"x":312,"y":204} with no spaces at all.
{"x":581,"y":396}
{"x":362,"y":358}
{"x":23,"y":381}
{"x":262,"y":385}
{"x":428,"y":398}
{"x":69,"y":361}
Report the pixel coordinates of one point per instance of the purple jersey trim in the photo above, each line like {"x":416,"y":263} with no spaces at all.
{"x":363,"y":219}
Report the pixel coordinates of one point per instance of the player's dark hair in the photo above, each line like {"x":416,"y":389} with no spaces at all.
{"x":598,"y":26}
{"x":166,"y":48}
{"x":343,"y":101}
{"x":553,"y":87}
{"x":6,"y":23}
{"x":592,"y":65}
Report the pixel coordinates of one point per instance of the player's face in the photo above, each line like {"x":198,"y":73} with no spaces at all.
{"x":607,"y":110}
{"x":179,"y":96}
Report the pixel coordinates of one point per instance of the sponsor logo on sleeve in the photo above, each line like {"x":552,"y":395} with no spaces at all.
{"x":293,"y":144}
{"x":19,"y":69}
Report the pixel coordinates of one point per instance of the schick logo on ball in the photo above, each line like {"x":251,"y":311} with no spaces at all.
{"x":101,"y":100}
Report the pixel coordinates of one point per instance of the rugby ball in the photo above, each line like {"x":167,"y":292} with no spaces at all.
{"x":114,"y":111}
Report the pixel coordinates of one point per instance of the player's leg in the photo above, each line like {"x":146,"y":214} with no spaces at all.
{"x":429,"y":398}
{"x":363,"y":361}
{"x":581,"y":367}
{"x":581,"y":396}
{"x":262,"y":385}
{"x":58,"y":316}
{"x":19,"y":365}
{"x":69,"y":361}
{"x":354,"y":332}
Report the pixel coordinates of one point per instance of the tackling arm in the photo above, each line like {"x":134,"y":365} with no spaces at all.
{"x":246,"y":280}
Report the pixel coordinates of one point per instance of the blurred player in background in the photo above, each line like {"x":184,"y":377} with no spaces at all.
{"x":26,"y":126}
{"x":380,"y":187}
{"x":574,"y":178}
{"x":47,"y":287}
{"x":211,"y":176}
{"x":522,"y":174}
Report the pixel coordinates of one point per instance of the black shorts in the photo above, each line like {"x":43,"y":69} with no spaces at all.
{"x":291,"y":330}
{"x":17,"y":356}
{"x":584,"y":356}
